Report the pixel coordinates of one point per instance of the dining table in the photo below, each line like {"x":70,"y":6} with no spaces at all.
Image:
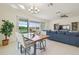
{"x":38,"y":38}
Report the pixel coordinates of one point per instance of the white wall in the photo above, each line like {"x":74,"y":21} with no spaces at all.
{"x":64,"y":21}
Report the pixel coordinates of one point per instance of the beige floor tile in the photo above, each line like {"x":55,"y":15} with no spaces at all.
{"x":53,"y":48}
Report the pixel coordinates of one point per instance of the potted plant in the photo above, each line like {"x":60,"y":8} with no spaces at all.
{"x":6,"y":29}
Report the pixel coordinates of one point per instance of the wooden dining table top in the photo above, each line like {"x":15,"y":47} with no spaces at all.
{"x":38,"y":38}
{"x":41,"y":37}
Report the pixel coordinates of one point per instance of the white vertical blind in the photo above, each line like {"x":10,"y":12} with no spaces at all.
{"x":31,"y":24}
{"x":22,"y":23}
{"x":34,"y":24}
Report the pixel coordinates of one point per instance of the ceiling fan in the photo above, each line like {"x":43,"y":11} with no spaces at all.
{"x":50,"y":4}
{"x":62,"y":15}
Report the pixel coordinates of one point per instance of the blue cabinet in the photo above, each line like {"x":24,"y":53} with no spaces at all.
{"x":71,"y":38}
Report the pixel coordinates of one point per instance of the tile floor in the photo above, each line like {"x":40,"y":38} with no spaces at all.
{"x":53,"y":48}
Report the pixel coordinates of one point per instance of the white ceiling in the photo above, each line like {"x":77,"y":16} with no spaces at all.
{"x":48,"y":13}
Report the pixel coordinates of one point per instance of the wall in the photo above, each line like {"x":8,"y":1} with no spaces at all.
{"x":64,"y":21}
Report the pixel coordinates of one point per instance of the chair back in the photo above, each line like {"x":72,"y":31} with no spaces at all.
{"x":20,"y":39}
{"x":28,"y":35}
{"x":43,"y":32}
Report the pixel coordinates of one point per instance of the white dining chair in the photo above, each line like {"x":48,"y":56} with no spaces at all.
{"x":17,"y":40}
{"x":23,"y":43}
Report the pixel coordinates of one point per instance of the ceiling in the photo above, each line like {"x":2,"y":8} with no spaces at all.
{"x":46,"y":12}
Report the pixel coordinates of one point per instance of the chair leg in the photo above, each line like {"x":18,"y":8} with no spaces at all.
{"x":21,"y":49}
{"x":35,"y":49}
{"x":25,"y":51}
{"x":40,"y":46}
{"x":43,"y":45}
{"x":18,"y":44}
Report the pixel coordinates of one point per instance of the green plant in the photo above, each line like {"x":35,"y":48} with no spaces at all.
{"x":6,"y":28}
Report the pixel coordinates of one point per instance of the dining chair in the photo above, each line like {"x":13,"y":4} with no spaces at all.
{"x":25,"y":43}
{"x":43,"y":42}
{"x":17,"y":40}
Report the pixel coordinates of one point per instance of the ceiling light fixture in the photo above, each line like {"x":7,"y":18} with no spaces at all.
{"x":21,"y":6}
{"x":14,"y":6}
{"x":33,"y":9}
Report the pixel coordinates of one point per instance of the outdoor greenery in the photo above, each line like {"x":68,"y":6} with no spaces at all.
{"x":23,"y":29}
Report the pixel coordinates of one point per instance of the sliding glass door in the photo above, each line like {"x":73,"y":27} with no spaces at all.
{"x":25,"y":26}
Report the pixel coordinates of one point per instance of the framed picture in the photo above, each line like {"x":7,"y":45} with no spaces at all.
{"x":74,"y":26}
{"x":56,"y":26}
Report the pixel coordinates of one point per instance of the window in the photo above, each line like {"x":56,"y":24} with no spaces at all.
{"x":34,"y":25}
{"x":23,"y":26}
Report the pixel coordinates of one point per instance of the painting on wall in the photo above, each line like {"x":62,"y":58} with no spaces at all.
{"x":74,"y":26}
{"x":56,"y":26}
{"x":64,"y":27}
{"x":61,"y":27}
